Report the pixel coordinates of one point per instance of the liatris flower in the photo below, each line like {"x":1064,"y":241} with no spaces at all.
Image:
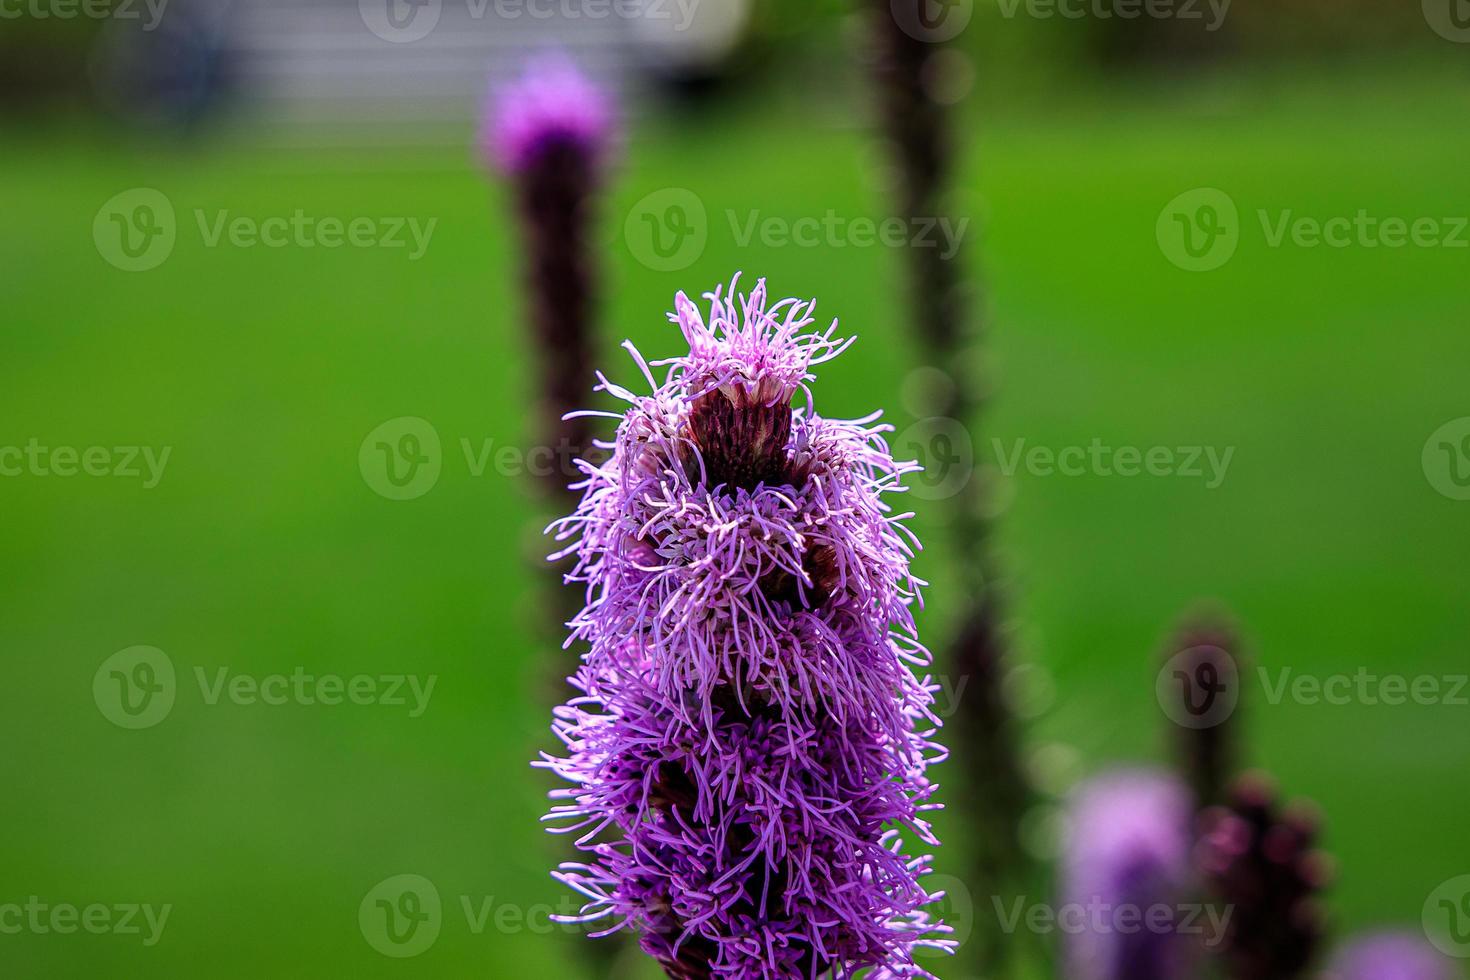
{"x":750,"y":743}
{"x":551,"y":107}
{"x":1128,"y":853}
{"x":1260,"y":859}
{"x":1389,"y":956}
{"x":986,"y":730}
{"x":1203,"y":683}
{"x":550,"y":133}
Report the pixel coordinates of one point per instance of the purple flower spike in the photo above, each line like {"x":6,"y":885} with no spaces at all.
{"x":1128,"y":856}
{"x":1261,"y":859}
{"x":749,"y":743}
{"x":1389,"y":956}
{"x":552,"y":104}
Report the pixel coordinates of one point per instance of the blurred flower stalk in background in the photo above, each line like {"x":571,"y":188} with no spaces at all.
{"x":550,"y":135}
{"x":944,"y":318}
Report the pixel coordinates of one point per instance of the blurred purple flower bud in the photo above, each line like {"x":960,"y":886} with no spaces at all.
{"x":1389,"y":956}
{"x":551,"y":105}
{"x":1261,"y":860}
{"x":1128,"y":852}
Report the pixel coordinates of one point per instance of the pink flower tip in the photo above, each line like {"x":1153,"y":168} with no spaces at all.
{"x":551,"y":104}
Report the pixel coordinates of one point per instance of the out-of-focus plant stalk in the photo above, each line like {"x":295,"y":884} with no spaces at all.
{"x":1203,"y":658}
{"x":1261,"y":862}
{"x":548,"y":134}
{"x":985,"y":743}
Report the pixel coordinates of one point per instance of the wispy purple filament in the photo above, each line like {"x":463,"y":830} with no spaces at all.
{"x":749,"y":744}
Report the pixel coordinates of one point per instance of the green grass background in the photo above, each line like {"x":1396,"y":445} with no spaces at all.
{"x":263,"y":549}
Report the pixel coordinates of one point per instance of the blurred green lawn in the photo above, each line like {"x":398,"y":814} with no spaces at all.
{"x":262,"y":548}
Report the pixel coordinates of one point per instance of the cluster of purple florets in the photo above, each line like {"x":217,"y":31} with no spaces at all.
{"x":749,"y":744}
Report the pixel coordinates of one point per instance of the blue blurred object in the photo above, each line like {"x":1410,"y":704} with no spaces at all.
{"x":169,"y":68}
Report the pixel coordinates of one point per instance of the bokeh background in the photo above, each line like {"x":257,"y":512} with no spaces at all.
{"x":265,"y":546}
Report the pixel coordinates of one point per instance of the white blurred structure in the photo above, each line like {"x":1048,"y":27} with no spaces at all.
{"x":381,"y":72}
